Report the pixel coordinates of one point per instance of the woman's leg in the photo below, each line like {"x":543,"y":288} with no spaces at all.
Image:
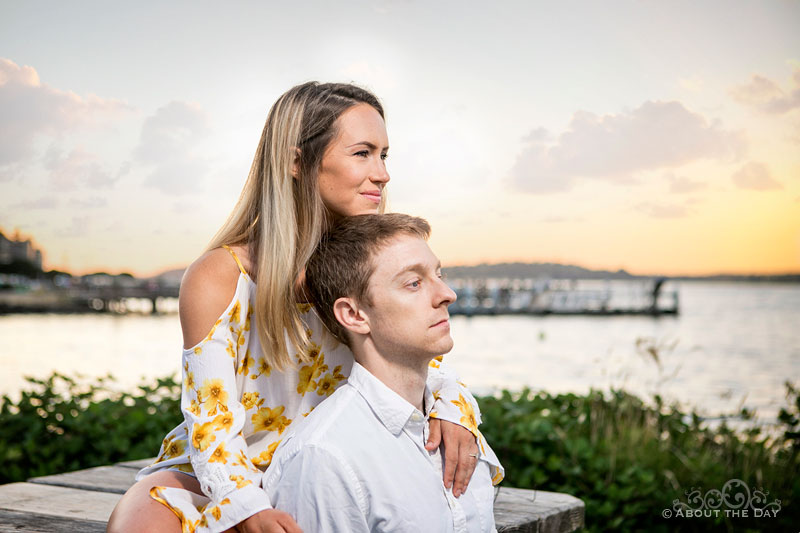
{"x":137,"y":512}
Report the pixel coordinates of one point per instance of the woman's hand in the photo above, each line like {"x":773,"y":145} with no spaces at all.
{"x":460,"y":453}
{"x":269,"y":521}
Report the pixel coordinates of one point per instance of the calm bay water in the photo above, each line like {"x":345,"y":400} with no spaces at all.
{"x":734,"y":344}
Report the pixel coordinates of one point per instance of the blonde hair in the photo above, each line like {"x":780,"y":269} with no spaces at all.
{"x":282,"y":218}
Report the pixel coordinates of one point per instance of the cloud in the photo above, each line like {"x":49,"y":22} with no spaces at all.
{"x":78,"y":227}
{"x":31,"y":109}
{"x":77,"y":170}
{"x":755,"y":176}
{"x":614,"y":147}
{"x":766,"y":95}
{"x":92,"y":202}
{"x":663,"y":210}
{"x":45,"y":202}
{"x":169,"y":144}
{"x":683,"y":185}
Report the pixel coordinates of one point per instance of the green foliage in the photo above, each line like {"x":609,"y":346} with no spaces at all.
{"x":626,"y":459}
{"x":629,"y":461}
{"x":61,"y":424}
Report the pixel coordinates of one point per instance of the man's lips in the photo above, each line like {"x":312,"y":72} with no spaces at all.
{"x":442,"y":322}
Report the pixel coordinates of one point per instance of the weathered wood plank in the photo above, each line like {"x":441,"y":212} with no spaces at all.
{"x":57,"y":501}
{"x":116,"y":479}
{"x":138,"y":464}
{"x":537,"y":511}
{"x":19,"y":522}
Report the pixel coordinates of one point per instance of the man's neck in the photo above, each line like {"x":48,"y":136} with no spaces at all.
{"x":405,"y":376}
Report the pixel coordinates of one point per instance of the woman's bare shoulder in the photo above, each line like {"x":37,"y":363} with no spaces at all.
{"x":207,"y":288}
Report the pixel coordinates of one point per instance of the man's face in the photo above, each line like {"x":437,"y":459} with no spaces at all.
{"x":407,"y":312}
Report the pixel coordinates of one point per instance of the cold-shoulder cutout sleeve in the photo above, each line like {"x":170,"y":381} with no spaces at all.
{"x":214,"y":419}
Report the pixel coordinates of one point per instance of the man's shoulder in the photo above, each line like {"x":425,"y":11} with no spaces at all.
{"x":329,"y":421}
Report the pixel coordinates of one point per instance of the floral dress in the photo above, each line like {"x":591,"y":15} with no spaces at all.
{"x":237,"y":408}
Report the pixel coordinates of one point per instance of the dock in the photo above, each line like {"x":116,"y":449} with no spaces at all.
{"x":82,"y":501}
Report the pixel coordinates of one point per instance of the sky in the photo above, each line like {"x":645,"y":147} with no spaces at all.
{"x":658,"y":137}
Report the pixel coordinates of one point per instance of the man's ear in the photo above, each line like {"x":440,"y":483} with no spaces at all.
{"x":351,"y":316}
{"x":296,"y":164}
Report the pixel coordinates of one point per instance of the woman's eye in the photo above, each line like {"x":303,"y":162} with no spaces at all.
{"x":362,"y":153}
{"x":384,"y":156}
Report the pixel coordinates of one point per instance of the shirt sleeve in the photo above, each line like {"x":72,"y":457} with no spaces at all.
{"x":454,"y":403}
{"x":214,"y":420}
{"x":318,"y":488}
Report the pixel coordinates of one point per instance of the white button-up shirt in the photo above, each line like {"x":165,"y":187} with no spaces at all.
{"x":358,"y":463}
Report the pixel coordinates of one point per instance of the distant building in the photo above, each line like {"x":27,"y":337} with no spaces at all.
{"x":17,"y":249}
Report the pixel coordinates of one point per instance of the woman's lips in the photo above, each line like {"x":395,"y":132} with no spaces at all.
{"x":373,"y":196}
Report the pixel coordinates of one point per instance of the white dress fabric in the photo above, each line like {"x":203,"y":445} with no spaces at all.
{"x":237,"y":409}
{"x":358,"y":463}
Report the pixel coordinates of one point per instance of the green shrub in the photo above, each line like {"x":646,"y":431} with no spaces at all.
{"x":629,"y":461}
{"x":61,"y":424}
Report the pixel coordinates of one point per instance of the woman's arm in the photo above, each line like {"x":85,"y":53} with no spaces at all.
{"x":214,"y":322}
{"x":454,"y":422}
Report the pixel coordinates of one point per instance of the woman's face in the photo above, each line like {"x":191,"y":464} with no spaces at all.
{"x":353,"y":170}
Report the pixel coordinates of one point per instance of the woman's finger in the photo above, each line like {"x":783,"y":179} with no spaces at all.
{"x":434,"y":434}
{"x":467,"y":461}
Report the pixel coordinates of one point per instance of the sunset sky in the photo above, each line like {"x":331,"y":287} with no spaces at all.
{"x":659,"y":137}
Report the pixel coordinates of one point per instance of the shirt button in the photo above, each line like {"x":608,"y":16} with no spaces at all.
{"x":416,"y":417}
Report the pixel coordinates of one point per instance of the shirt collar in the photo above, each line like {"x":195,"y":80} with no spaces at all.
{"x":391,"y":409}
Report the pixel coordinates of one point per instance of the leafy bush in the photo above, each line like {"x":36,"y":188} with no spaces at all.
{"x":629,"y":461}
{"x":61,"y":424}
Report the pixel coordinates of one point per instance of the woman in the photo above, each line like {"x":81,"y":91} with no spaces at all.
{"x":255,"y":358}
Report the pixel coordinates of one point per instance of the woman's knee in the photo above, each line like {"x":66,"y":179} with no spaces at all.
{"x":138,"y":512}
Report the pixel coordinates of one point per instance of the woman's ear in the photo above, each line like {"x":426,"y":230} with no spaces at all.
{"x":296,"y":164}
{"x":351,"y":316}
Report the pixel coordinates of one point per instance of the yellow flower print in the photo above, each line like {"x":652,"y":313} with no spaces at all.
{"x":213,"y":329}
{"x":203,"y":436}
{"x":330,"y":381}
{"x":223,"y":421}
{"x":468,"y":420}
{"x":189,"y":381}
{"x":240,"y":481}
{"x":242,"y":460}
{"x":194,"y":408}
{"x":267,"y":419}
{"x":231,"y":349}
{"x":214,"y":396}
{"x":251,"y":399}
{"x":433,"y":414}
{"x":247,"y":362}
{"x":265,"y":457}
{"x":326,"y":385}
{"x":234,"y":314}
{"x":220,"y":455}
{"x":173,"y":448}
{"x":198,"y":350}
{"x":309,"y":412}
{"x":437,"y":395}
{"x":309,"y":373}
{"x":187,"y":468}
{"x":247,"y":320}
{"x":264,"y":369}
{"x":498,"y":476}
{"x":434,"y":363}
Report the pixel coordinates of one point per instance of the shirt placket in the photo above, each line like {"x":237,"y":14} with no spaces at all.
{"x":418,"y":430}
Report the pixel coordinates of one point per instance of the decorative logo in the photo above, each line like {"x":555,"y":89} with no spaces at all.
{"x":735,"y":500}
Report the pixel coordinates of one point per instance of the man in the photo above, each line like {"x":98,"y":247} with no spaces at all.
{"x":358,"y":462}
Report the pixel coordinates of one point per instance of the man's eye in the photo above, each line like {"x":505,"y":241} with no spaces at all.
{"x":415,"y":284}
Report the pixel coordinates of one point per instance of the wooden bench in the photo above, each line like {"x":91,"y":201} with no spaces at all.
{"x":82,"y":501}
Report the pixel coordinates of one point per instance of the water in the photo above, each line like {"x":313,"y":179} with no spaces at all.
{"x":733,"y":345}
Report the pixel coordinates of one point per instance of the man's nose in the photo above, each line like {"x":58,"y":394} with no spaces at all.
{"x":445,"y":294}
